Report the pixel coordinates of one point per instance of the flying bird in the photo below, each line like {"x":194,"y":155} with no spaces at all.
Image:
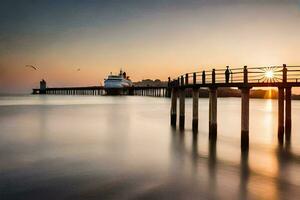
{"x":31,"y":66}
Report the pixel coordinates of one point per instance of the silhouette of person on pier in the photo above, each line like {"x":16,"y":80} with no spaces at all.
{"x":227,"y":74}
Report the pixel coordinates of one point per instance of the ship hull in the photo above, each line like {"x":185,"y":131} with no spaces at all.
{"x":117,"y":91}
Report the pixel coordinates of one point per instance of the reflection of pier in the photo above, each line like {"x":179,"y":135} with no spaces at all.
{"x":283,"y":77}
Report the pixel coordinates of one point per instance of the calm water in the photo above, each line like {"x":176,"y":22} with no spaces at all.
{"x":85,"y":147}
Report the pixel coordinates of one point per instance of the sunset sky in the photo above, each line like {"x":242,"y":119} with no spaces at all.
{"x":147,"y":38}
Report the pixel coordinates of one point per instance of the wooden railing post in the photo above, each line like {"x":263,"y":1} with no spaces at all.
{"x":194,"y":78}
{"x":213,"y":76}
{"x":203,"y":77}
{"x":182,"y":81}
{"x":245,"y":74}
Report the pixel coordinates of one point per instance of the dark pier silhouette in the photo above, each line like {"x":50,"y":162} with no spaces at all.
{"x":283,"y":77}
{"x":155,"y":91}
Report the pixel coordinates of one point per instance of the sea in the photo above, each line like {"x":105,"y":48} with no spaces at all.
{"x":123,"y":147}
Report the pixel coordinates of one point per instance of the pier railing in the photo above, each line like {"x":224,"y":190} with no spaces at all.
{"x":270,"y":74}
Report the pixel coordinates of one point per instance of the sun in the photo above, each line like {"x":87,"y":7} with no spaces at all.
{"x":269,"y":74}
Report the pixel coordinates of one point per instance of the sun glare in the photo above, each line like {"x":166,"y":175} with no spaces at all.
{"x":269,"y":74}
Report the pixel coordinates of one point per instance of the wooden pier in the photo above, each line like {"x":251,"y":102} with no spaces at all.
{"x":283,"y":77}
{"x":155,"y":91}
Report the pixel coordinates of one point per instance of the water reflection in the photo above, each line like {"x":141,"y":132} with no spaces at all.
{"x":212,"y":168}
{"x":244,"y":174}
{"x":195,"y":152}
{"x":250,"y":183}
{"x":125,"y":150}
{"x":177,"y":150}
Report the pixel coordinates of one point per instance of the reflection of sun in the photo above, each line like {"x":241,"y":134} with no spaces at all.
{"x":269,"y":93}
{"x":269,"y":108}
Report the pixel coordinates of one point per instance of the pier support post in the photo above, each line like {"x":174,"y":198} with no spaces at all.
{"x":174,"y":95}
{"x":213,"y":113}
{"x":131,"y":91}
{"x":280,"y":114}
{"x":181,"y":108}
{"x":245,"y":119}
{"x":195,"y":109}
{"x":288,"y":114}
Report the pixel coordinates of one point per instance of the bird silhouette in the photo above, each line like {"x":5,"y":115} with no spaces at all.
{"x":31,"y":66}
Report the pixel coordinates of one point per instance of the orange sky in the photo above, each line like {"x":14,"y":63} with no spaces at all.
{"x":147,"y":42}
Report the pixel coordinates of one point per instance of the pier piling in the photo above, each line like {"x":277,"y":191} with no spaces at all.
{"x":173,"y":106}
{"x":195,"y":109}
{"x":213,"y":113}
{"x":181,"y":108}
{"x":245,"y":119}
{"x":280,"y":114}
{"x":288,"y":114}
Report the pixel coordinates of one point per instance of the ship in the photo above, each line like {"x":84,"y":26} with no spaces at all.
{"x":117,"y":84}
